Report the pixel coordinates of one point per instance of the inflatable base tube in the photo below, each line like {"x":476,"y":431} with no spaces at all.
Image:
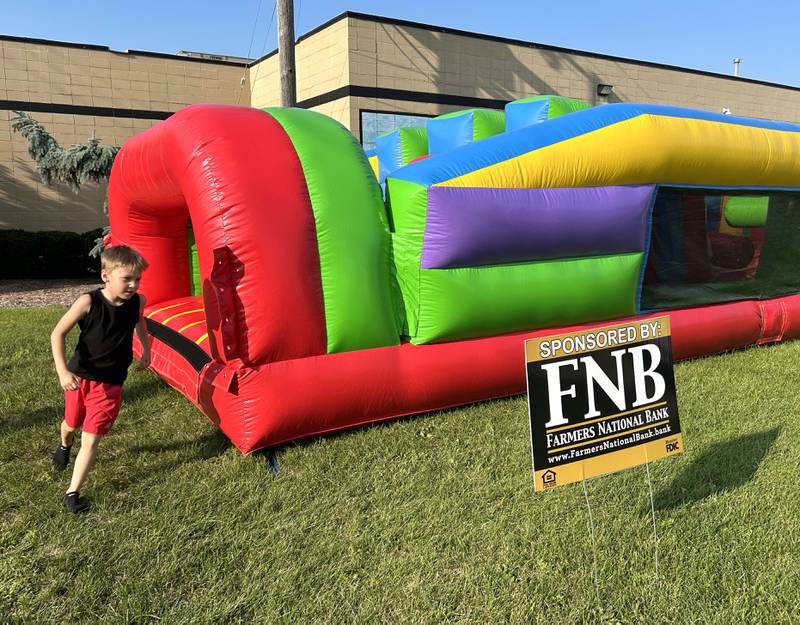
{"x":289,"y":400}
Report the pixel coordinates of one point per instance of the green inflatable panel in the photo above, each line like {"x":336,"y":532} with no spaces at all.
{"x":194,"y":264}
{"x":413,"y":143}
{"x":352,"y":232}
{"x":746,"y":211}
{"x":471,"y":302}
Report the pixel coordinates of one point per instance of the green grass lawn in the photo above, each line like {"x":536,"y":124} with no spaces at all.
{"x":427,"y":519}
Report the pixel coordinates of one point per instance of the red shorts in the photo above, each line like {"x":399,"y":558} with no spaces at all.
{"x":94,"y":406}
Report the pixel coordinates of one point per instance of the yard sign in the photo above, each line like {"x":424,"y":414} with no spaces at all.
{"x":601,"y":400}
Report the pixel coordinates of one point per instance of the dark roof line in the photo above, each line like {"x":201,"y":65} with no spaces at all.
{"x":80,"y":109}
{"x":91,"y":46}
{"x":54,"y":42}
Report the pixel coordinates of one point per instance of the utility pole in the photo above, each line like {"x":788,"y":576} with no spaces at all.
{"x":286,"y":52}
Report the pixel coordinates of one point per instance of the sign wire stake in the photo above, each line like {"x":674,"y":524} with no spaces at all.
{"x":594,"y":544}
{"x":653,"y":512}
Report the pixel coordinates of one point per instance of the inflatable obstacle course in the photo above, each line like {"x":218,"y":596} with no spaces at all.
{"x":322,"y":308}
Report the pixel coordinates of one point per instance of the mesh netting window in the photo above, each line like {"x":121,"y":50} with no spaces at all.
{"x":374,"y":124}
{"x":710,"y":246}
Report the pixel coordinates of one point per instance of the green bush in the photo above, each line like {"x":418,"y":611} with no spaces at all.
{"x":47,"y":254}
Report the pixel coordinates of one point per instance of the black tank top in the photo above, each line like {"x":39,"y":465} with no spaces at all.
{"x":105,"y":346}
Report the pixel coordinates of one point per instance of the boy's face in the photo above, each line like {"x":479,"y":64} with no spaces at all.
{"x":122,"y":282}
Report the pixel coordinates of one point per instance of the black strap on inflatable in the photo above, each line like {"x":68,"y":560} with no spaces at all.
{"x":191,"y":351}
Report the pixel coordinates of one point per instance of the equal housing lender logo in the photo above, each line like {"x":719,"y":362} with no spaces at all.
{"x":601,"y":400}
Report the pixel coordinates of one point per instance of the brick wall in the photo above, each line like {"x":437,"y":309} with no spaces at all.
{"x":396,"y":56}
{"x":322,"y":60}
{"x":47,"y":73}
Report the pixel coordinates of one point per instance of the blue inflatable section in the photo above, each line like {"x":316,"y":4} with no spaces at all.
{"x":449,"y":133}
{"x":390,"y":154}
{"x":521,"y":114}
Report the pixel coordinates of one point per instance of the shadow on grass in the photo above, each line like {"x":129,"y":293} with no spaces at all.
{"x":203,"y":447}
{"x":722,"y":467}
{"x":53,"y":414}
{"x":143,"y":390}
{"x":32,"y":419}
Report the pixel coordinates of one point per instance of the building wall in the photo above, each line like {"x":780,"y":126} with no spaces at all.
{"x":352,"y":64}
{"x":29,"y":204}
{"x":322,"y":61}
{"x":80,"y":81}
{"x":388,"y":55}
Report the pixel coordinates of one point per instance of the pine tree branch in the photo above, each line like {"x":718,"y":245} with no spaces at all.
{"x":74,"y":166}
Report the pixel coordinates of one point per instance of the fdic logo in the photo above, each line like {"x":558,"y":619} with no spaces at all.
{"x":672,"y":446}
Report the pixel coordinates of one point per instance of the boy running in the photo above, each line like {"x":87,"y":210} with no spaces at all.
{"x":92,"y":379}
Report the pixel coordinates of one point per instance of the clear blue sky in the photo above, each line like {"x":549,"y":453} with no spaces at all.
{"x":690,"y":33}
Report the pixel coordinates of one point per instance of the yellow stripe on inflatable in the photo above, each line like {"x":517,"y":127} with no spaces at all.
{"x":189,"y":325}
{"x":180,"y":314}
{"x":373,"y":162}
{"x":201,"y":339}
{"x":162,"y":309}
{"x":651,"y":149}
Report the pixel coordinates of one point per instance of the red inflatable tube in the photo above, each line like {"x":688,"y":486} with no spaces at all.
{"x":287,"y":400}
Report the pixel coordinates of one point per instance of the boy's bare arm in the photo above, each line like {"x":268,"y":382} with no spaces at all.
{"x":144,"y":337}
{"x":78,"y":310}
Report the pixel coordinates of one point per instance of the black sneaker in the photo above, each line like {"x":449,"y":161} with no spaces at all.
{"x":61,"y":457}
{"x":76,"y":503}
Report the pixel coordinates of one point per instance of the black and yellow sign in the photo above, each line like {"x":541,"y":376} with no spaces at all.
{"x":601,"y":400}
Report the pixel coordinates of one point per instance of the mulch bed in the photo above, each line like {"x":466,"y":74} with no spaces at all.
{"x":31,"y":293}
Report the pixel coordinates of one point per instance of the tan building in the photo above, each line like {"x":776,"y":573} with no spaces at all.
{"x":76,"y":90}
{"x":370,"y":73}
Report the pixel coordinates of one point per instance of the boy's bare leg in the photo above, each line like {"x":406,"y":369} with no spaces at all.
{"x":84,"y":460}
{"x":67,"y":434}
{"x":61,"y":455}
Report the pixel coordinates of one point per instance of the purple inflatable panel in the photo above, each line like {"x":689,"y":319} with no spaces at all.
{"x":468,"y":227}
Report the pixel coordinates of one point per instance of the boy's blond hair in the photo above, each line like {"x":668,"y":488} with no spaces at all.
{"x":122,"y":256}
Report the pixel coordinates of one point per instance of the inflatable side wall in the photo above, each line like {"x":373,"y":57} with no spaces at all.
{"x":546,"y":225}
{"x":402,"y":146}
